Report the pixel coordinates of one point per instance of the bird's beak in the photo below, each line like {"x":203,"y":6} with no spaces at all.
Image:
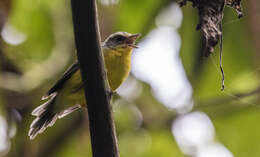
{"x":134,"y":36}
{"x":132,"y":39}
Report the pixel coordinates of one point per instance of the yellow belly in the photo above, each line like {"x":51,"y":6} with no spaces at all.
{"x":118,"y":65}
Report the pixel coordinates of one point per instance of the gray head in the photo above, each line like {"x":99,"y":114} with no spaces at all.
{"x":121,"y":39}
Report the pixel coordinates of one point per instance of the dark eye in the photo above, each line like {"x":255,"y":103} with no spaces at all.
{"x":119,"y":38}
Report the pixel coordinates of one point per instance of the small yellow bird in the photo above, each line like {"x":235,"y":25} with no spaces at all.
{"x":67,"y":94}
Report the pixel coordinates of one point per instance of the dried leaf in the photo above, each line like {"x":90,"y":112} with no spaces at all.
{"x":210,"y":18}
{"x":235,"y":4}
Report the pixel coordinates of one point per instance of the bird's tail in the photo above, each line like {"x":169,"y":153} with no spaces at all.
{"x":45,"y":117}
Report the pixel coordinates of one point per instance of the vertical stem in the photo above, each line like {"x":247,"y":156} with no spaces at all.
{"x":103,"y":138}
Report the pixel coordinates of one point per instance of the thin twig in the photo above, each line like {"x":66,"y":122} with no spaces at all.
{"x":220,"y":58}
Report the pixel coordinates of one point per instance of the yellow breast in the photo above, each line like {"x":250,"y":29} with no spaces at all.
{"x":118,"y":65}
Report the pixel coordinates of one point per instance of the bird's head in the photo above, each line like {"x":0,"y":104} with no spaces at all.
{"x":121,"y":40}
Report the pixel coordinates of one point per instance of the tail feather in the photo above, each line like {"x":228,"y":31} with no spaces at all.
{"x":40,"y":126}
{"x":68,"y":111}
{"x":45,"y":116}
{"x":42,"y":108}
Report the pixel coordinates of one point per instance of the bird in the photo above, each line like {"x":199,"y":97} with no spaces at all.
{"x":67,"y":94}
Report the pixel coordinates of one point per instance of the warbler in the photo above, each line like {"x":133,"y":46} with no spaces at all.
{"x":67,"y":94}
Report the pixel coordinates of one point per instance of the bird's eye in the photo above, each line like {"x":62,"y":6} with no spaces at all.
{"x":119,"y":38}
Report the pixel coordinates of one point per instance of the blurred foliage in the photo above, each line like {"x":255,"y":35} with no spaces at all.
{"x":36,"y":23}
{"x":143,"y":124}
{"x":239,"y":132}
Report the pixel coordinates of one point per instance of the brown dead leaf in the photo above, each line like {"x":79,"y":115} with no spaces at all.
{"x":211,"y":14}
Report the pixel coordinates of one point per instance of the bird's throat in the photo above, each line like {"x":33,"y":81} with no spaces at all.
{"x":118,"y":65}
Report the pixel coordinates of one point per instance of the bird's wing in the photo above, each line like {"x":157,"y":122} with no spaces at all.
{"x":66,"y":76}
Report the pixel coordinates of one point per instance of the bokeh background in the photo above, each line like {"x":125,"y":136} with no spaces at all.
{"x":170,"y":106}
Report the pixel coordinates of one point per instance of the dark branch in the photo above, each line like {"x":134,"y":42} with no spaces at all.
{"x":103,"y":139}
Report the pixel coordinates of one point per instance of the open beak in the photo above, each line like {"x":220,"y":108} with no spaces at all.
{"x":131,"y":40}
{"x":134,"y":36}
